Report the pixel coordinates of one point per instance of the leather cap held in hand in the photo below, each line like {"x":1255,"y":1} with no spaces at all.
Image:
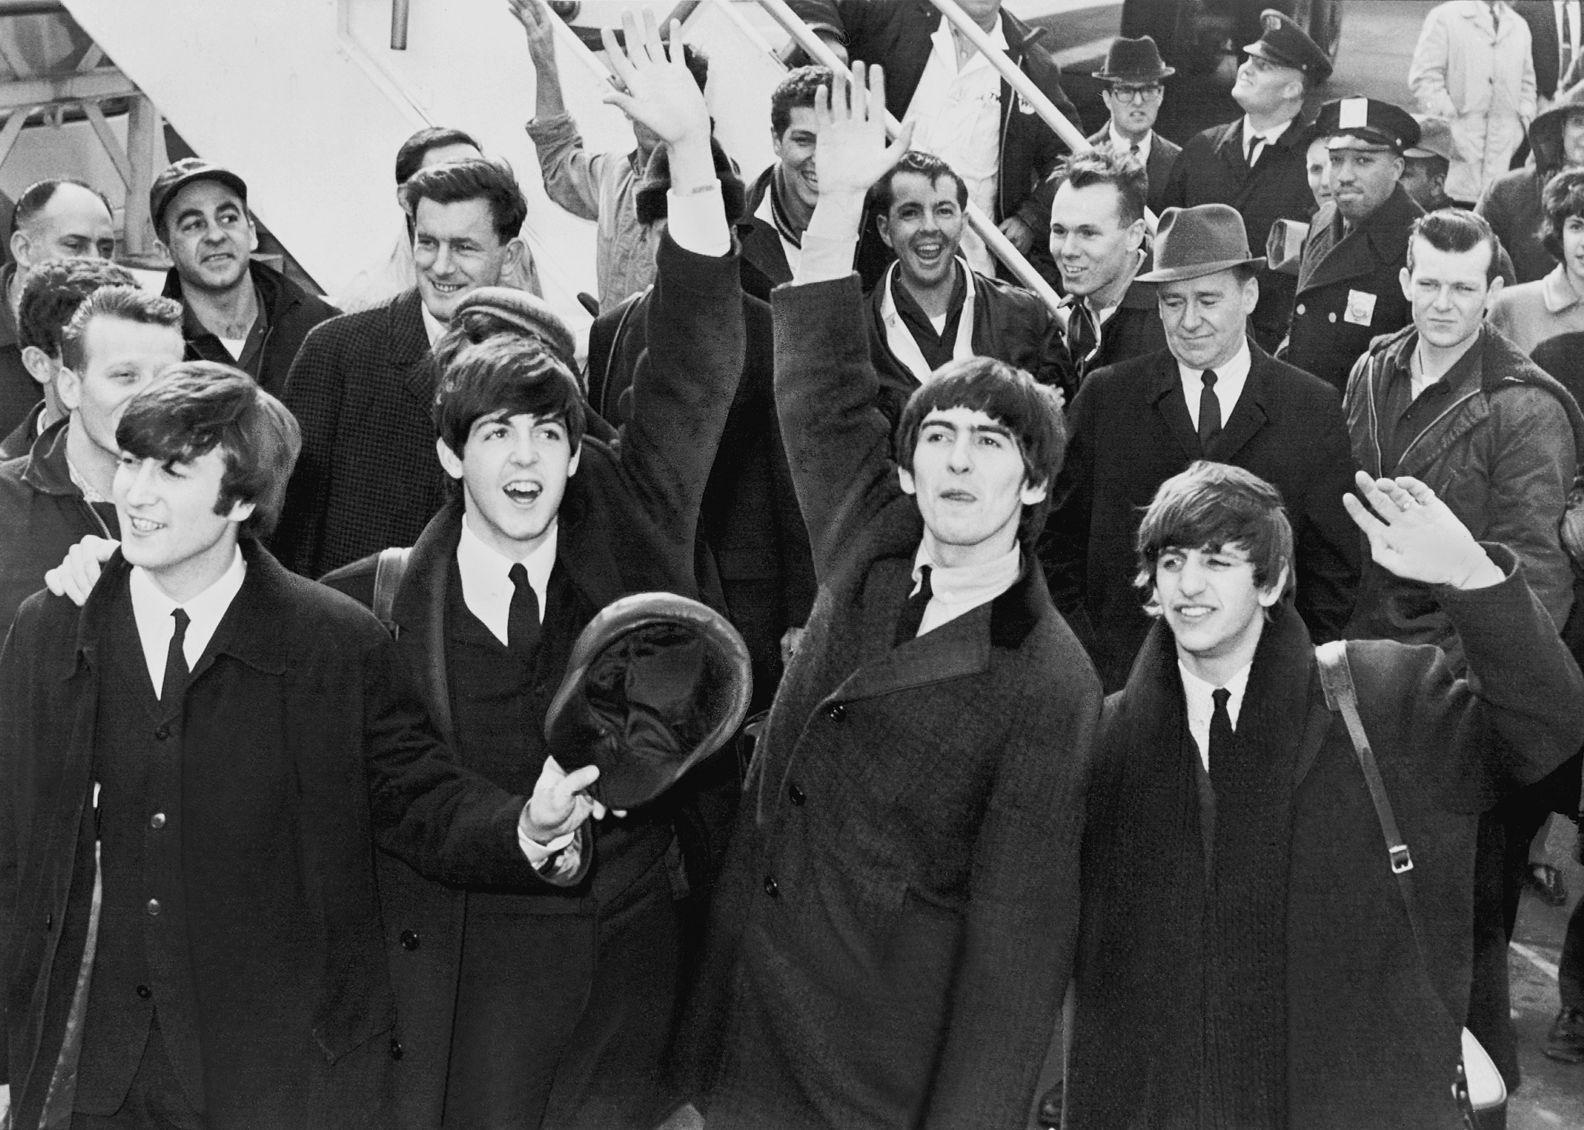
{"x":1198,"y":241}
{"x":655,"y":684}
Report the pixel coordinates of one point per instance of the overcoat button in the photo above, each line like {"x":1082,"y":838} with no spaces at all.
{"x":771,"y":888}
{"x":153,"y":908}
{"x":1331,"y":317}
{"x":796,"y":795}
{"x":144,"y":992}
{"x":409,"y":939}
{"x":395,"y":1048}
{"x":1300,"y":309}
{"x":835,"y":711}
{"x":162,"y":733}
{"x":157,"y":821}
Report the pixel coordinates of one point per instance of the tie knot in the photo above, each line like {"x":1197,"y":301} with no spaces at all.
{"x":519,"y":576}
{"x":1209,"y":378}
{"x":1220,"y":696}
{"x":182,"y":620}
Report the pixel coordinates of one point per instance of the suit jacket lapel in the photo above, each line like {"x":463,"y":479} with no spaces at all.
{"x":960,"y":647}
{"x":1249,"y":415}
{"x":1166,"y":395}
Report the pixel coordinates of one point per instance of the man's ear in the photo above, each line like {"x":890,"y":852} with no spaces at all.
{"x":1269,"y":595}
{"x":20,"y":247}
{"x":1034,"y":493}
{"x":1407,"y":283}
{"x":450,"y":461}
{"x":1135,"y":234}
{"x":68,"y":386}
{"x":240,"y":512}
{"x":572,"y":463}
{"x":1496,"y":285}
{"x":883,"y":226}
{"x":905,"y":477}
{"x":515,"y":250}
{"x":40,"y":365}
{"x":252,"y":232}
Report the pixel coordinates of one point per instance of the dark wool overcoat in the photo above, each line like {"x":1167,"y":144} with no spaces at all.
{"x":626,"y":525}
{"x":1131,"y":432}
{"x":299,"y":735}
{"x":362,"y":389}
{"x":1212,"y":169}
{"x":1350,"y":288}
{"x":1372,"y":1030}
{"x":897,"y":917}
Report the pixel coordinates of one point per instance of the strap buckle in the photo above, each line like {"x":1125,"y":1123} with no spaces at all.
{"x":1401,"y":861}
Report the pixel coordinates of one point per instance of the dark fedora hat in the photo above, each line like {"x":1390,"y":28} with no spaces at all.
{"x":1134,"y":60}
{"x":655,"y":684}
{"x":1192,"y":242}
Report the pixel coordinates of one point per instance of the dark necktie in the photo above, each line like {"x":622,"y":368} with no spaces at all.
{"x":1256,"y":147}
{"x":522,"y":620}
{"x":1220,"y":728}
{"x":913,"y":610}
{"x":1209,"y":412}
{"x":176,"y":660}
{"x":1082,"y":336}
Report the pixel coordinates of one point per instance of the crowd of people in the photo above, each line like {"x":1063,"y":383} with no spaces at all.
{"x":1203,"y":649}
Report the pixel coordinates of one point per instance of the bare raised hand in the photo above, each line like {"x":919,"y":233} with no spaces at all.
{"x":1416,"y":535}
{"x":853,"y":153}
{"x":655,"y":87}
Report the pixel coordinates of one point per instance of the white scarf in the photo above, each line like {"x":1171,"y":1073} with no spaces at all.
{"x":900,"y":338}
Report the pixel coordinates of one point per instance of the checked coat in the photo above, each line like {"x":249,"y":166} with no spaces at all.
{"x":1131,"y":432}
{"x":897,"y":915}
{"x":362,"y":389}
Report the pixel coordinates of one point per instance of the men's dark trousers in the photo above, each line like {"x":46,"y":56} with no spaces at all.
{"x":563,"y":1020}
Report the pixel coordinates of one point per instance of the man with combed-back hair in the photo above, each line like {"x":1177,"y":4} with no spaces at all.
{"x":198,"y":762}
{"x":54,"y":290}
{"x":362,"y":383}
{"x":114,"y":342}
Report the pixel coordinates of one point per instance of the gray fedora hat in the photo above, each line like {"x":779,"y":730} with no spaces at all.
{"x":1134,"y":60}
{"x":1192,"y":242}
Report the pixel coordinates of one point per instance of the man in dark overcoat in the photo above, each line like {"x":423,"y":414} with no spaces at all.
{"x":1349,"y":286}
{"x":556,"y":1009}
{"x":1248,"y":957}
{"x":1138,"y":423}
{"x":1256,"y":162}
{"x":894,"y":925}
{"x":197,"y":764}
{"x":362,"y":384}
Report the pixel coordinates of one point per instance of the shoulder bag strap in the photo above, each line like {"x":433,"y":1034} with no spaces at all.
{"x":388,"y":573}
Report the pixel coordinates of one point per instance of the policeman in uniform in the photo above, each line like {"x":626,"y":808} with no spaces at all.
{"x":1349,"y":284}
{"x":1256,"y":163}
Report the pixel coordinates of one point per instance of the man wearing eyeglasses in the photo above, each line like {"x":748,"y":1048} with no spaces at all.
{"x":1256,"y":163}
{"x":1132,"y":87}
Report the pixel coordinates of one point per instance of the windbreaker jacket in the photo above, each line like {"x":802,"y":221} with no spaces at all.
{"x":1502,"y":454}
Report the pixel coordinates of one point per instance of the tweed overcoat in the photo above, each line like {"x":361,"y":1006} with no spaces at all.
{"x":362,"y":388}
{"x":1131,"y":432}
{"x":301,"y":742}
{"x":1212,"y":169}
{"x":1157,"y":170}
{"x":896,"y":919}
{"x":1372,"y":1029}
{"x":1350,"y":288}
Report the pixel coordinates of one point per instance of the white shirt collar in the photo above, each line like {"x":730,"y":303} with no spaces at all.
{"x":1269,"y":135}
{"x":960,"y":589}
{"x":1197,"y":697}
{"x":486,"y":576}
{"x":434,"y":328}
{"x":942,"y":41}
{"x":1230,"y":379}
{"x":1123,"y":145}
{"x":152,"y":609}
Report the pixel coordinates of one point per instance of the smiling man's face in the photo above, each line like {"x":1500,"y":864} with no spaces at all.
{"x":514,"y":471}
{"x":924,"y":226}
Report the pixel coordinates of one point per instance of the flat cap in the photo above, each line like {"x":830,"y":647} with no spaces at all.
{"x":528,"y":312}
{"x":179,"y":175}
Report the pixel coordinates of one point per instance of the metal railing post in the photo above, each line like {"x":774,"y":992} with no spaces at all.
{"x":998,"y":244}
{"x":400,"y":10}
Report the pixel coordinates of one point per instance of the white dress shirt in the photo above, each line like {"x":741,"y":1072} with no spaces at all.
{"x":152,"y":609}
{"x":954,"y":591}
{"x":1197,"y":695}
{"x":487,"y":588}
{"x":1270,"y":136}
{"x":957,"y":116}
{"x":1230,"y":379}
{"x":1123,"y":145}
